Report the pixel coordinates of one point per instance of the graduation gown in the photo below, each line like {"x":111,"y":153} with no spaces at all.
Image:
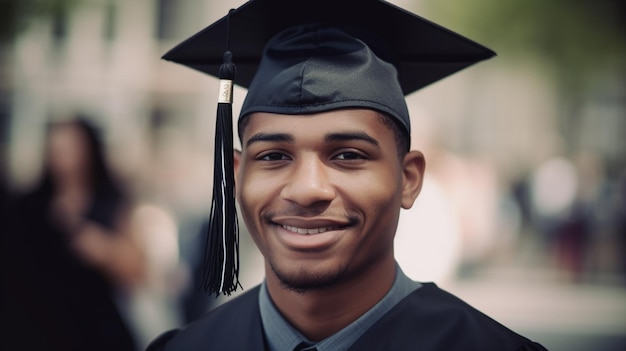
{"x":428,"y":319}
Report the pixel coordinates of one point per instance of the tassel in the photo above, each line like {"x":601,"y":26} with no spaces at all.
{"x":221,"y":259}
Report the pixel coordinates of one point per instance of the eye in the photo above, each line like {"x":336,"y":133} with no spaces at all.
{"x":349,"y":156}
{"x":273,"y":156}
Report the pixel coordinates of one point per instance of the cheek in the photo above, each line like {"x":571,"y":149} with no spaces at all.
{"x":378,"y":198}
{"x":254,"y":193}
{"x":253,"y":189}
{"x":374,"y":190}
{"x":382,"y":204}
{"x":382,"y":208}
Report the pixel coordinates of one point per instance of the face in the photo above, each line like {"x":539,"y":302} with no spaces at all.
{"x":67,"y":151}
{"x":321,"y":194}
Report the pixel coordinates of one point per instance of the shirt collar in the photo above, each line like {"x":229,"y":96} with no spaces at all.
{"x":281,"y":335}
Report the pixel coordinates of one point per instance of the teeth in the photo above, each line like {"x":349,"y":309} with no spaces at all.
{"x":307,"y":231}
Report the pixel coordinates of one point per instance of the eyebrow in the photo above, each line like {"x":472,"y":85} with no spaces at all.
{"x":270,"y":137}
{"x":332,"y":137}
{"x":348,"y":136}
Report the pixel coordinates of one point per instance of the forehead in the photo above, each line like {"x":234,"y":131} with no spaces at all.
{"x":336,"y":121}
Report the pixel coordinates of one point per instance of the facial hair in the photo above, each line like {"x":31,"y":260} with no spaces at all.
{"x":303,"y":280}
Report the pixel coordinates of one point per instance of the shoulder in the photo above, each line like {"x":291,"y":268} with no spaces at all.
{"x":433,"y":319}
{"x":220,"y":328}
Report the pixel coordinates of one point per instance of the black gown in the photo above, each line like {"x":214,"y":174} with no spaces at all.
{"x":50,"y":299}
{"x":428,"y":319}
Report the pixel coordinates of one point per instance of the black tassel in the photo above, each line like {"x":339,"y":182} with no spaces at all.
{"x":221,"y":259}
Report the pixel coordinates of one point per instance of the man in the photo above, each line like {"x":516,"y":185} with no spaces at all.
{"x":323,"y":173}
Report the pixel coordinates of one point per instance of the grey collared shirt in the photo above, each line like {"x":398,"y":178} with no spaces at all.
{"x":283,"y":336}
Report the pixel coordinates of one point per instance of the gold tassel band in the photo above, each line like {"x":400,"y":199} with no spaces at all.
{"x":226,"y":92}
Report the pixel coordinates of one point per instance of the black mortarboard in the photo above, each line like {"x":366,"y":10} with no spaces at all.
{"x":322,"y":55}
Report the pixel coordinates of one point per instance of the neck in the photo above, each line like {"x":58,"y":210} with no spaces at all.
{"x":320,"y":313}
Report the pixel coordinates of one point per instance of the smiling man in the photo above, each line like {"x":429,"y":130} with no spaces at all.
{"x":324,"y":171}
{"x":321,"y":196}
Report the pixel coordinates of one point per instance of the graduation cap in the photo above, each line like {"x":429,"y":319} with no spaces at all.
{"x":309,"y":56}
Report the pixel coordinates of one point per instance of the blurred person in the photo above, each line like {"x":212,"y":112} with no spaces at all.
{"x":558,"y":215}
{"x":459,"y":202}
{"x":324,"y":170}
{"x":574,"y":204}
{"x":178,"y":177}
{"x":620,"y":225}
{"x":605,"y":253}
{"x":67,"y":255}
{"x":151,"y":303}
{"x":602,"y":196}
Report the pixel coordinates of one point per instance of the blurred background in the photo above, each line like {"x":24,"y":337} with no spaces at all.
{"x":523,"y":213}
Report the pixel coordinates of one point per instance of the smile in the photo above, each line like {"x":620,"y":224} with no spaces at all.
{"x":308,"y":231}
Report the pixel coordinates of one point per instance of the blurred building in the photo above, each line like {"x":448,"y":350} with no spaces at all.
{"x":103,"y":57}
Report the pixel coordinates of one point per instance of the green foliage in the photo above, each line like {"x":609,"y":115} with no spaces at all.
{"x":16,"y":15}
{"x":577,"y":38}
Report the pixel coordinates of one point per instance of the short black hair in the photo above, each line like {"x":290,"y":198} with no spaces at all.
{"x":399,"y":134}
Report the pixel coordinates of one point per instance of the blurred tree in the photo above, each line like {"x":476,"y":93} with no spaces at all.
{"x":15,"y":15}
{"x":573,"y":36}
{"x":581,"y":42}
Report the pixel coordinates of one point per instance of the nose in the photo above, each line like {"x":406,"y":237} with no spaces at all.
{"x":309,"y":183}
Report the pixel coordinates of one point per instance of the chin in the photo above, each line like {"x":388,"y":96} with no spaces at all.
{"x":302,"y":279}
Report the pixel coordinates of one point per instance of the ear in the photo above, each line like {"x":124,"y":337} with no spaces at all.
{"x":236,"y":164}
{"x":413,"y":167}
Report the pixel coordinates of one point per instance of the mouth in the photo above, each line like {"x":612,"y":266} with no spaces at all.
{"x":310,"y":234}
{"x":309,"y":237}
{"x":309,"y":231}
